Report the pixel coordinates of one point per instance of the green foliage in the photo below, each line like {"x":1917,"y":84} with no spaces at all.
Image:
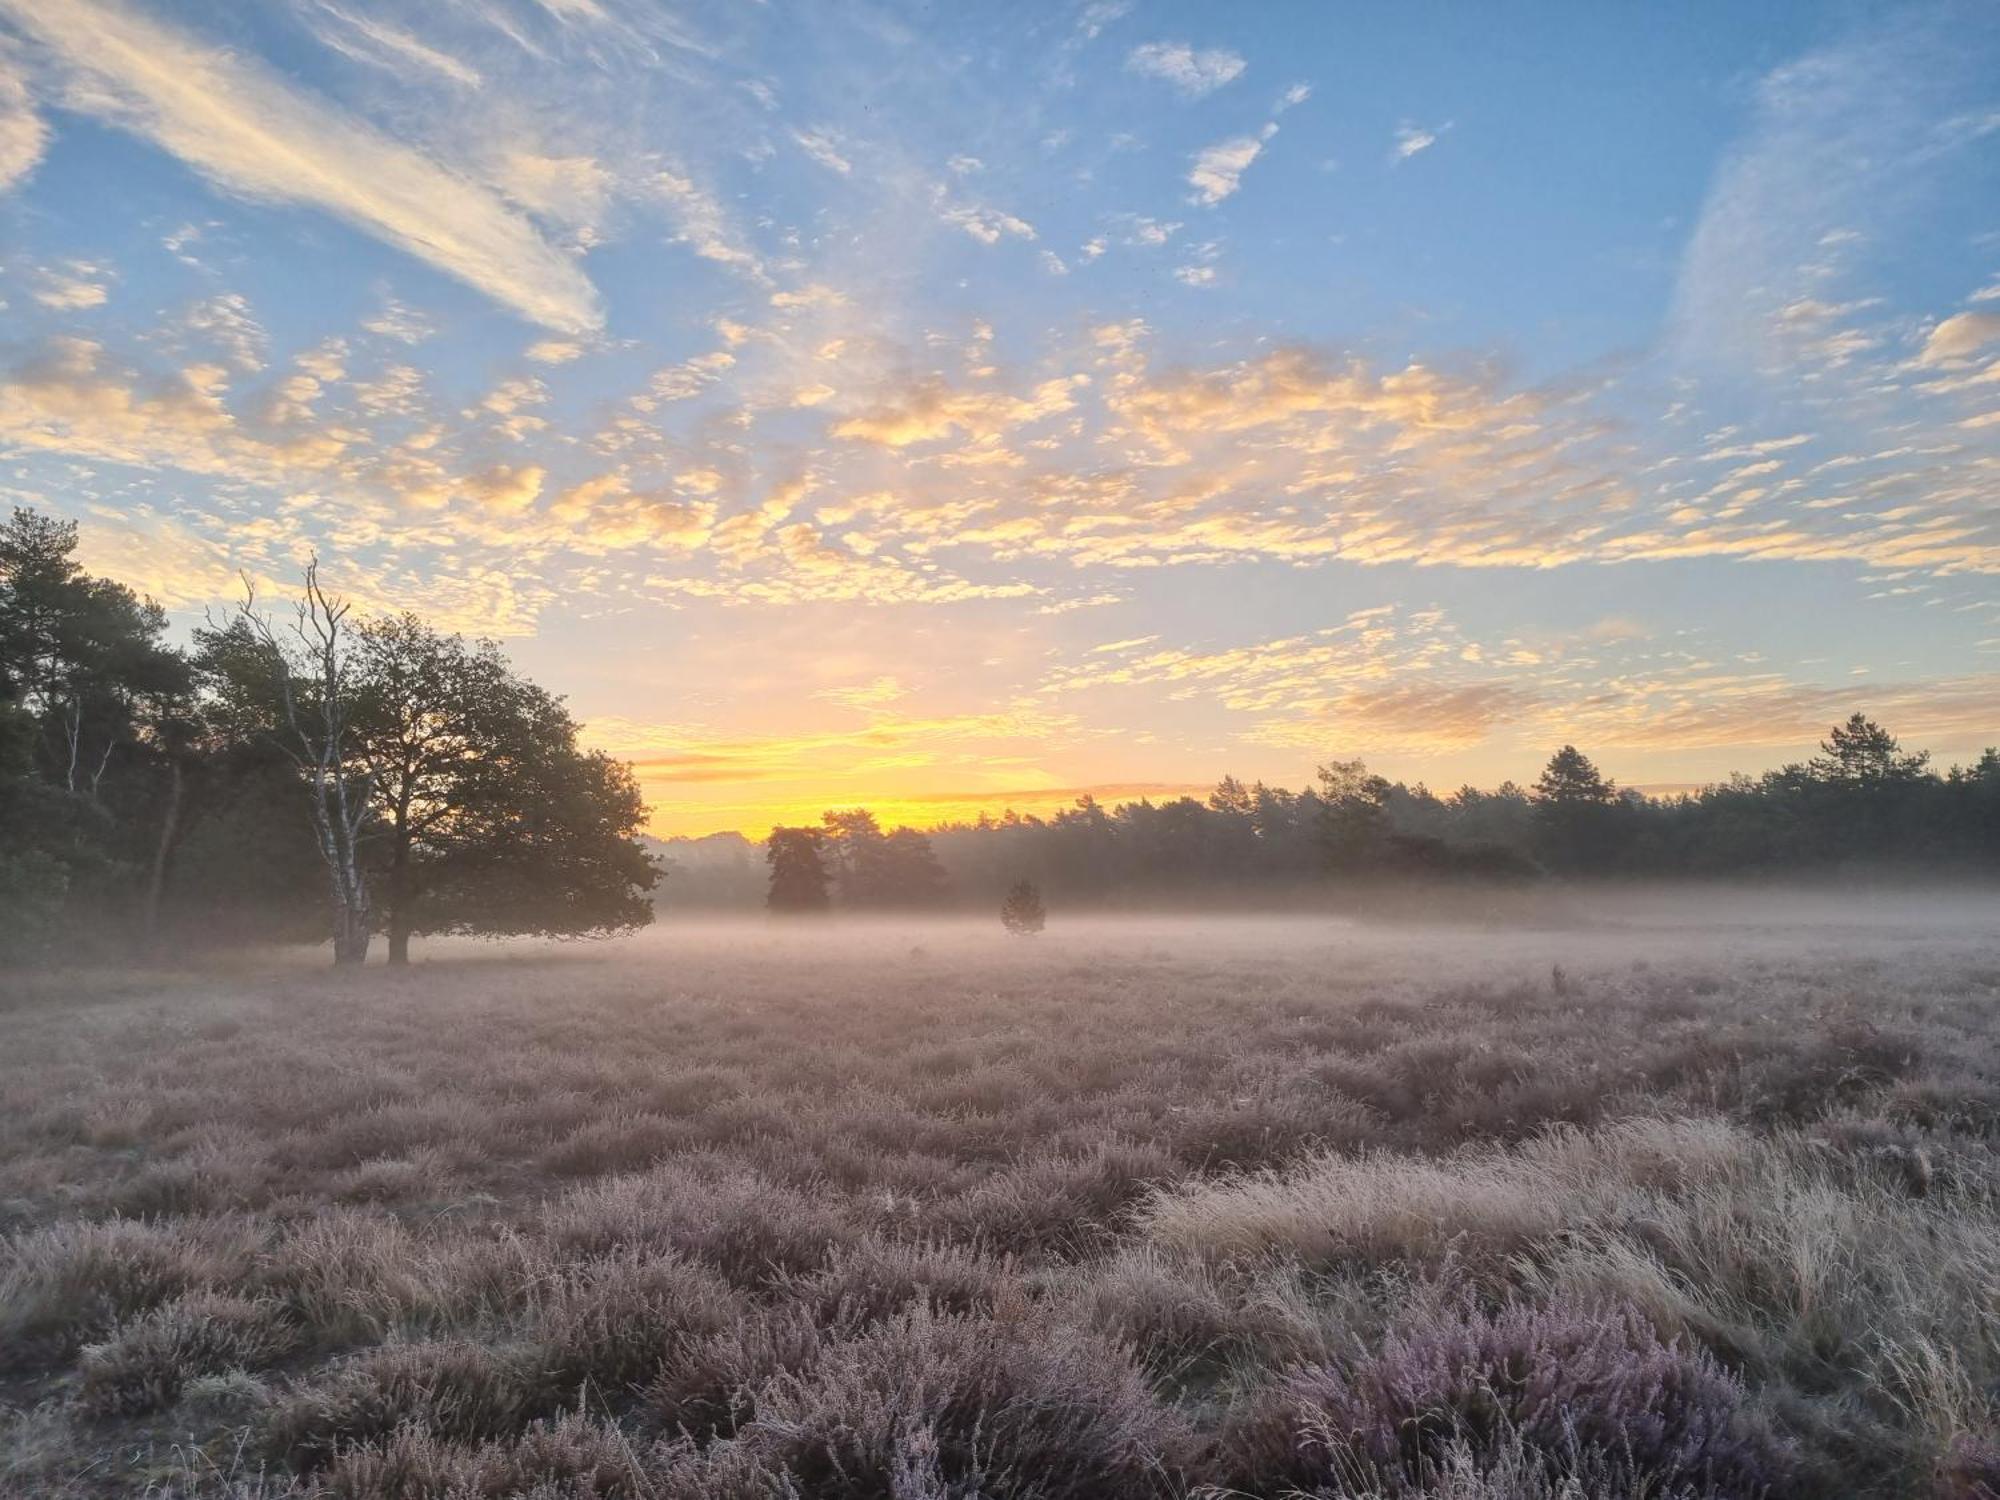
{"x":148,"y":794}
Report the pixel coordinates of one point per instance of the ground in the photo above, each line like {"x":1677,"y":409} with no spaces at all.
{"x":1654,"y":1194}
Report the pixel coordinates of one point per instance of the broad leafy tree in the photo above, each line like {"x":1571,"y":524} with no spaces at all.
{"x":447,"y":793}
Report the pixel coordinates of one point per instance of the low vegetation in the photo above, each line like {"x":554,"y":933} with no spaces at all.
{"x":1214,"y":1209}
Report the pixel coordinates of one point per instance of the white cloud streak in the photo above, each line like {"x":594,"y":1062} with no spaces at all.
{"x":23,"y":136}
{"x":255,"y":135}
{"x":380,"y":45}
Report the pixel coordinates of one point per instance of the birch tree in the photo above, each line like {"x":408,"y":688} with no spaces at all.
{"x":301,"y":673}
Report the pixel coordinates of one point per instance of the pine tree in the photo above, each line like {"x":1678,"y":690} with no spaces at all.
{"x":1022,"y":913}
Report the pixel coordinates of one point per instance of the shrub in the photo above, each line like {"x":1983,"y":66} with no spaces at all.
{"x":63,"y":1285}
{"x":149,"y":1360}
{"x":570,"y":1456}
{"x":1022,"y":912}
{"x":1568,"y":1383}
{"x":615,"y":1323}
{"x":938,"y":1405}
{"x":874,"y":1280}
{"x":453,"y":1389}
{"x":753,"y":1231}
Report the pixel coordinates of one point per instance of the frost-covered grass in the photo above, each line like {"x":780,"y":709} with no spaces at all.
{"x":1140,"y":1208}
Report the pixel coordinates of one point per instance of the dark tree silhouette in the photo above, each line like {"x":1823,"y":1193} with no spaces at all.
{"x":1575,"y":814}
{"x":494,"y":820}
{"x":1353,"y":816}
{"x":1861,"y":752}
{"x":799,"y":877}
{"x":91,"y":707}
{"x":447,"y":793}
{"x":876,"y":871}
{"x":1570,"y":780}
{"x":1022,"y":913}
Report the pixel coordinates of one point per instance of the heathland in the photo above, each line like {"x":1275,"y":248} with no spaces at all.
{"x":1656,"y":1195}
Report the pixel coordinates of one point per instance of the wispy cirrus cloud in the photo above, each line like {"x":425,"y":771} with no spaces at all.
{"x":23,"y":136}
{"x":252,"y":133}
{"x":376,"y":42}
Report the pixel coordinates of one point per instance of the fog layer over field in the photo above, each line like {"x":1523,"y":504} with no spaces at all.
{"x":1635,"y":1193}
{"x":1409,"y":932}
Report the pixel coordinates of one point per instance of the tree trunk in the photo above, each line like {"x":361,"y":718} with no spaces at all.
{"x":350,"y":937}
{"x":156,"y":880}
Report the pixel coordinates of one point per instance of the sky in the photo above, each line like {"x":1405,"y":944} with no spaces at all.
{"x":951,"y":407}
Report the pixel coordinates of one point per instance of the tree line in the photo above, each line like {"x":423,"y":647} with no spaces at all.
{"x":1862,"y":803}
{"x":293,"y":773}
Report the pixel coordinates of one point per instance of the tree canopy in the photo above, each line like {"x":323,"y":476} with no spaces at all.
{"x":1252,"y":845}
{"x":404,"y":779}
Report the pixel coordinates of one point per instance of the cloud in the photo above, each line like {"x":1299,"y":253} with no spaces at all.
{"x":571,"y":191}
{"x":1842,"y":160}
{"x":403,"y":324}
{"x":384,"y":46}
{"x":1960,"y":335}
{"x":1705,"y":709}
{"x":1410,"y":139}
{"x":1193,"y":73}
{"x":987,"y":225}
{"x":931,"y":410}
{"x":554,"y":351}
{"x":225,"y":324}
{"x":704,"y":226}
{"x":23,"y":136}
{"x":506,"y":488}
{"x":866,"y":695}
{"x":1098,"y":14}
{"x":1218,"y":170}
{"x":72,"y":288}
{"x":821,"y":147}
{"x":252,"y":133}
{"x":814,"y":294}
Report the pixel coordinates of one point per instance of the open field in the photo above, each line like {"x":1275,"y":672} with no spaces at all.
{"x":1657,"y":1196}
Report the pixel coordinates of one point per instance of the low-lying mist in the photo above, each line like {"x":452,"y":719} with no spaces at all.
{"x":1454,"y":930}
{"x":1612,"y":1191}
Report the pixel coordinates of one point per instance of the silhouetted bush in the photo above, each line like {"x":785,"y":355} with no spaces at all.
{"x":1022,"y":913}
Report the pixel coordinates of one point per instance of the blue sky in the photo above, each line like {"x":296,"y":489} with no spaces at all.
{"x":943,"y":407}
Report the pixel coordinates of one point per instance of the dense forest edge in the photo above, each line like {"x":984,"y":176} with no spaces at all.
{"x":297,"y":771}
